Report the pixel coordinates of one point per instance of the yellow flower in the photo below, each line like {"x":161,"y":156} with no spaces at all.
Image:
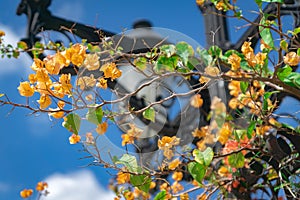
{"x":65,"y":81}
{"x":200,"y":133}
{"x":101,"y":128}
{"x":123,"y":177}
{"x":233,"y":103}
{"x":131,"y":135}
{"x":102,"y":83}
{"x":42,"y":75}
{"x":41,"y":186}
{"x":225,"y":133}
{"x":176,"y":187}
{"x":44,"y":88}
{"x":44,"y":101}
{"x":260,"y":58}
{"x":177,"y":176}
{"x":2,"y":33}
{"x":85,"y":82}
{"x":220,"y":5}
{"x":235,"y":62}
{"x":211,"y":71}
{"x":37,"y":64}
{"x":168,"y":142}
{"x":32,"y":78}
{"x":52,"y":65}
{"x":291,"y":59}
{"x":196,"y":101}
{"x":184,"y":196}
{"x":217,"y":106}
{"x":26,"y":193}
{"x":111,"y":71}
{"x":76,"y":54}
{"x":174,"y":164}
{"x":56,"y":113}
{"x":223,"y":171}
{"x":234,"y":87}
{"x":248,"y":52}
{"x":74,"y":139}
{"x":128,"y":195}
{"x":91,"y":61}
{"x":25,"y":89}
{"x":200,"y":2}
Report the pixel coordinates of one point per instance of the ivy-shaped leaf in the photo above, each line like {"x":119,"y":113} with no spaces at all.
{"x":161,"y":195}
{"x":203,"y":157}
{"x":149,"y":114}
{"x":140,"y":63}
{"x":169,"y":49}
{"x":72,"y":123}
{"x":184,"y":50}
{"x":197,"y":171}
{"x":265,"y":33}
{"x":236,"y":160}
{"x":95,"y":115}
{"x":141,"y":181}
{"x":244,"y":86}
{"x":129,"y":162}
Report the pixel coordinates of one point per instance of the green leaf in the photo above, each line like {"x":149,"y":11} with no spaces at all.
{"x":284,"y":72}
{"x":215,"y":51}
{"x":169,"y":49}
{"x":284,"y":45}
{"x":267,"y":95}
{"x":251,"y":128}
{"x":273,"y":1}
{"x":197,"y":171}
{"x":204,"y":157}
{"x":205,"y":57}
{"x":184,"y":50}
{"x":129,"y":162}
{"x":141,"y":181}
{"x":22,"y":45}
{"x":149,"y":114}
{"x":161,"y":195}
{"x":95,"y":115}
{"x":236,"y":160}
{"x":259,"y":3}
{"x":244,"y":86}
{"x":72,"y":123}
{"x":265,"y":33}
{"x":164,"y":63}
{"x":140,"y":63}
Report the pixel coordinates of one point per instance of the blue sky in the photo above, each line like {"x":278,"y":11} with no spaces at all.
{"x":33,"y":148}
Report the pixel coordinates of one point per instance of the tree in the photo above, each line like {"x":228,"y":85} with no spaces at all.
{"x":235,"y":149}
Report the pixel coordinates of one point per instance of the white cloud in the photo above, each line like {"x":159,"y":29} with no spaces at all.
{"x":76,"y":186}
{"x":12,"y":65}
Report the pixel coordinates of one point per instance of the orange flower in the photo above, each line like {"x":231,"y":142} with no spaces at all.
{"x":176,"y":187}
{"x":211,"y":71}
{"x":57,"y":114}
{"x":76,"y":54}
{"x":123,"y":177}
{"x":196,"y":101}
{"x":235,"y":62}
{"x":200,"y":2}
{"x":101,"y":128}
{"x":41,"y":186}
{"x":86,"y":82}
{"x":131,"y":135}
{"x":2,"y":33}
{"x":37,"y":64}
{"x":44,"y":101}
{"x":91,"y":61}
{"x":200,"y":133}
{"x":111,"y":71}
{"x":52,"y":65}
{"x":42,"y":75}
{"x":223,"y":171}
{"x":102,"y":83}
{"x":201,"y":197}
{"x":260,"y":58}
{"x":65,"y":83}
{"x":74,"y":139}
{"x":166,"y":144}
{"x":234,"y":87}
{"x":128,"y":195}
{"x":184,"y":196}
{"x":291,"y":59}
{"x":177,"y":176}
{"x":32,"y":78}
{"x":25,"y":89}
{"x":26,"y":193}
{"x":174,"y":164}
{"x":249,"y":53}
